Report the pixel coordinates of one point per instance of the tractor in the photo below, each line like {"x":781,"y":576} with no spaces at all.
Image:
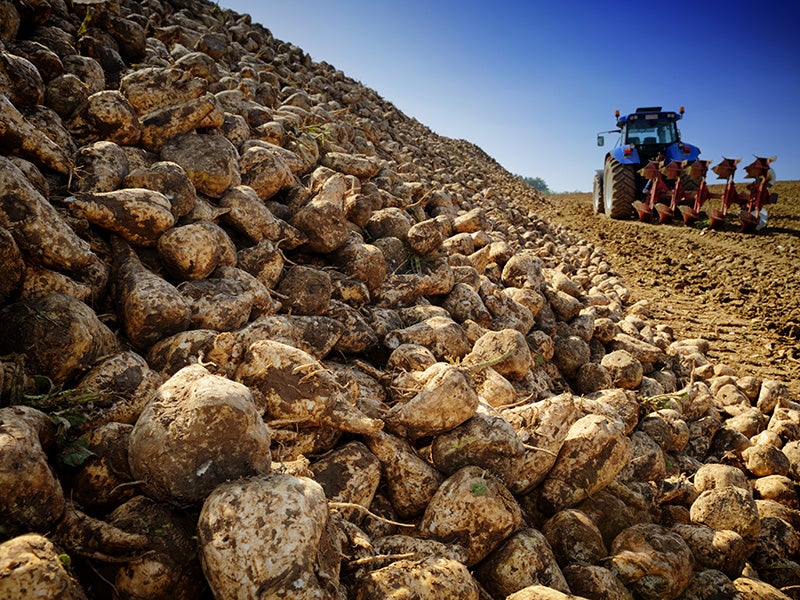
{"x":648,"y":137}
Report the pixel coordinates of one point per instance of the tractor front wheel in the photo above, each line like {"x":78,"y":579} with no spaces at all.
{"x":619,"y":189}
{"x":597,"y":195}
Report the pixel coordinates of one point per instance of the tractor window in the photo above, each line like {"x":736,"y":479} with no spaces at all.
{"x":652,"y":132}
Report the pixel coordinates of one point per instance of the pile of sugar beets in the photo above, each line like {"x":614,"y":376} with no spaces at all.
{"x":264,"y":336}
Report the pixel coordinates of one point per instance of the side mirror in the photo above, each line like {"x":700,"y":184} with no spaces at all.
{"x":601,"y":140}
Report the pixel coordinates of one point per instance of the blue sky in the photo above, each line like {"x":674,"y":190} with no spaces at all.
{"x":532,"y":83}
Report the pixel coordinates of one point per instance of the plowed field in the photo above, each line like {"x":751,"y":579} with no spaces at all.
{"x":739,"y":291}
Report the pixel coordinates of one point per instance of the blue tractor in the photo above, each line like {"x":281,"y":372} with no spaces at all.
{"x":647,"y":135}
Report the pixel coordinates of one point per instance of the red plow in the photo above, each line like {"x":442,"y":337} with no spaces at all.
{"x":678,"y":189}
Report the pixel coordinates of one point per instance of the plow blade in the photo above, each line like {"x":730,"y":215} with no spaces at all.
{"x":753,"y":221}
{"x":716,"y":218}
{"x":697,"y":169}
{"x":650,"y":170}
{"x":655,"y":190}
{"x":748,"y":220}
{"x":672,"y":170}
{"x":689,"y":214}
{"x":760,"y":167}
{"x":754,"y":217}
{"x":665,"y":213}
{"x":726,"y":168}
{"x":643,"y":210}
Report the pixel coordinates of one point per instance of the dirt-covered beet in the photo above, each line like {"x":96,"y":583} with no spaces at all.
{"x":473,"y":509}
{"x":178,"y":446}
{"x":448,"y":577}
{"x":233,"y":545}
{"x":653,"y":561}
{"x":525,"y":559}
{"x":168,"y":569}
{"x":32,"y":496}
{"x":31,"y":564}
{"x":59,"y":335}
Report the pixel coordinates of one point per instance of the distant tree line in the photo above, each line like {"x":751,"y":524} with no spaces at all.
{"x":537,"y":183}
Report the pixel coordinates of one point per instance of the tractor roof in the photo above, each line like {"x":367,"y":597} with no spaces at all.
{"x":649,"y":113}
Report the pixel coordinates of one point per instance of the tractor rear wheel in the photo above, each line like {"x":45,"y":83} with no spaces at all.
{"x":619,"y":189}
{"x":597,"y":195}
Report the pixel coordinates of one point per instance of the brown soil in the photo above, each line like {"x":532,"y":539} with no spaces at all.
{"x":739,"y":291}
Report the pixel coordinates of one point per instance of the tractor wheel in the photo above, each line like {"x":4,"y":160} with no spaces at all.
{"x":619,"y":189}
{"x":597,"y":195}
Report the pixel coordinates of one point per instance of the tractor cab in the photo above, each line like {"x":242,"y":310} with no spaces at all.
{"x":650,"y":131}
{"x":649,"y":134}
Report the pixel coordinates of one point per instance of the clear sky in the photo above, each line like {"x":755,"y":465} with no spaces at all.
{"x":533,"y":82}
